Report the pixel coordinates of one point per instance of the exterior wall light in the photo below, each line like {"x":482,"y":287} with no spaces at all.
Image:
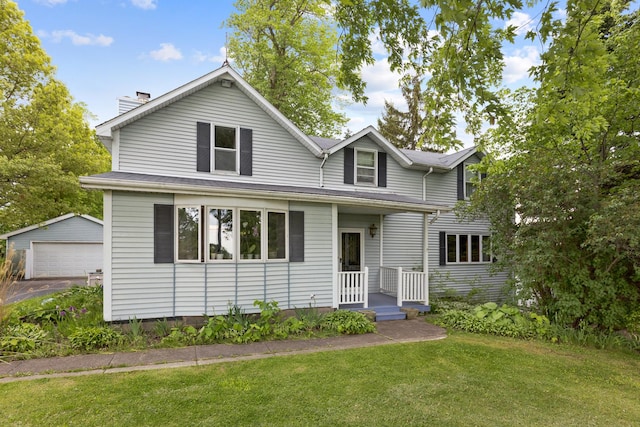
{"x":372,"y":230}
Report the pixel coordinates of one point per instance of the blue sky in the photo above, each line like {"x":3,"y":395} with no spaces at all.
{"x":105,"y":49}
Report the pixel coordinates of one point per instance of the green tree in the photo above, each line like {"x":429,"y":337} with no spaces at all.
{"x":286,"y":51}
{"x":405,"y":129}
{"x":569,"y":167}
{"x":45,"y":141}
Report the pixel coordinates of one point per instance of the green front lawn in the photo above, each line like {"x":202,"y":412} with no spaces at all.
{"x":462,"y":380}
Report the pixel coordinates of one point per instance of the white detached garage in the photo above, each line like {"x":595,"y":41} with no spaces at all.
{"x":66,"y":246}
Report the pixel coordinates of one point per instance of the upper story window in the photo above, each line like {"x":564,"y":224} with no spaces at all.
{"x":471,"y":179}
{"x":365,"y":167}
{"x":225,"y":152}
{"x":224,"y":149}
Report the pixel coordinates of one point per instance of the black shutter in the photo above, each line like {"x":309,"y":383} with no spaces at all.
{"x":443,"y":247}
{"x":461,"y":181}
{"x":162,"y":234}
{"x":203,"y":147}
{"x":382,"y":169}
{"x":246,"y":152}
{"x":348,"y":165}
{"x":296,"y":236}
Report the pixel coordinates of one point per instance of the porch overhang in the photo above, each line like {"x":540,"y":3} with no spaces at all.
{"x":347,"y":200}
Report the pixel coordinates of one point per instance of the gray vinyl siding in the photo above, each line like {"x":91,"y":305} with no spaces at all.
{"x":403,"y":235}
{"x":399,"y":180}
{"x":315,"y":274}
{"x":74,"y":229}
{"x":165,"y":142}
{"x":371,"y":244}
{"x":138,"y":286}
{"x":143,"y":289}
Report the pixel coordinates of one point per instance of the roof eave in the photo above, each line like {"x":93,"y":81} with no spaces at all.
{"x":96,"y":183}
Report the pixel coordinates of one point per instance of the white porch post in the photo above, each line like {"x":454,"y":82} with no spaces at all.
{"x":399,"y":293}
{"x":107,"y":231}
{"x":425,"y":260}
{"x":335,"y":248}
{"x":366,"y":287}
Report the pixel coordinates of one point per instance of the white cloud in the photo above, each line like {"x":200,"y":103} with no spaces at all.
{"x":518,"y":64}
{"x":521,"y":21}
{"x":78,"y":40}
{"x":200,"y":57}
{"x":167,"y":52}
{"x":51,"y":3}
{"x":145,"y":4}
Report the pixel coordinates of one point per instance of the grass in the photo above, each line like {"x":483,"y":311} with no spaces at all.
{"x":462,"y":380}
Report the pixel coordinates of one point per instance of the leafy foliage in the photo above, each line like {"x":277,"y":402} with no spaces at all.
{"x":95,"y":338}
{"x":285,"y":49}
{"x":348,"y":322}
{"x":569,"y":169}
{"x":45,"y":141}
{"x":490,"y":318}
{"x":21,"y":338}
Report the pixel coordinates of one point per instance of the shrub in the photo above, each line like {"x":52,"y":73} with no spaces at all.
{"x":348,"y":322}
{"x":502,"y":320}
{"x":22,"y":338}
{"x":633,"y":322}
{"x":94,"y":338}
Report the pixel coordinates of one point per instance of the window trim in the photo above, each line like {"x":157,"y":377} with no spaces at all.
{"x":465,"y":181}
{"x":212,"y":144}
{"x":469,"y":238}
{"x":203,"y":234}
{"x":356,"y":166}
{"x":177,"y":235}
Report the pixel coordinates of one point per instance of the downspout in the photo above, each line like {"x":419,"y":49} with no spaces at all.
{"x":435,"y":218}
{"x":326,"y":156}
{"x":424,"y":184}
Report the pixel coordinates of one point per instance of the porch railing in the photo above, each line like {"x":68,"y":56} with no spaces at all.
{"x":353,"y":287}
{"x":413,"y":285}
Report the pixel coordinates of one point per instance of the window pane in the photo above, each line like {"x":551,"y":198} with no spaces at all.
{"x":250,"y":230}
{"x":464,"y":248}
{"x":451,"y":248}
{"x":225,"y":160}
{"x":469,"y":189}
{"x":221,"y":234}
{"x":276,"y":243}
{"x":469,"y":174}
{"x":366,"y":175}
{"x":225,"y":137}
{"x":366,"y":158}
{"x":486,"y":249}
{"x":475,"y":248}
{"x":188,"y":233}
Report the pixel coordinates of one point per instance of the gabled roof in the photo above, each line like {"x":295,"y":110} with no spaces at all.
{"x":377,"y":137}
{"x":104,"y":130}
{"x":439,"y":160}
{"x":48,"y":223}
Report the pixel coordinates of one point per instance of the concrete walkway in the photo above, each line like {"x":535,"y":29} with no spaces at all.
{"x":393,"y":332}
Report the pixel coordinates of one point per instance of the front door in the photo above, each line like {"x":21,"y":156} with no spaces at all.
{"x":351,"y":250}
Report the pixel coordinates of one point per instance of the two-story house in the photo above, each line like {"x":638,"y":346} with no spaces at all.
{"x":216,"y":198}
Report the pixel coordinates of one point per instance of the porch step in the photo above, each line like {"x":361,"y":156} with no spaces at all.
{"x":389,"y":312}
{"x":421,"y":307}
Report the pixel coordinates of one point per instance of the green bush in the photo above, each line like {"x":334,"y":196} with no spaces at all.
{"x":22,"y":338}
{"x":348,"y":322}
{"x":633,"y":322}
{"x":95,"y":338}
{"x":489,"y":318}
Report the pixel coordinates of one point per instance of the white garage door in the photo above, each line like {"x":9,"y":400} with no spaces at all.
{"x":66,"y":259}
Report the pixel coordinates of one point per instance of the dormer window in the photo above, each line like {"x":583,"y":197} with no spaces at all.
{"x":366,"y":167}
